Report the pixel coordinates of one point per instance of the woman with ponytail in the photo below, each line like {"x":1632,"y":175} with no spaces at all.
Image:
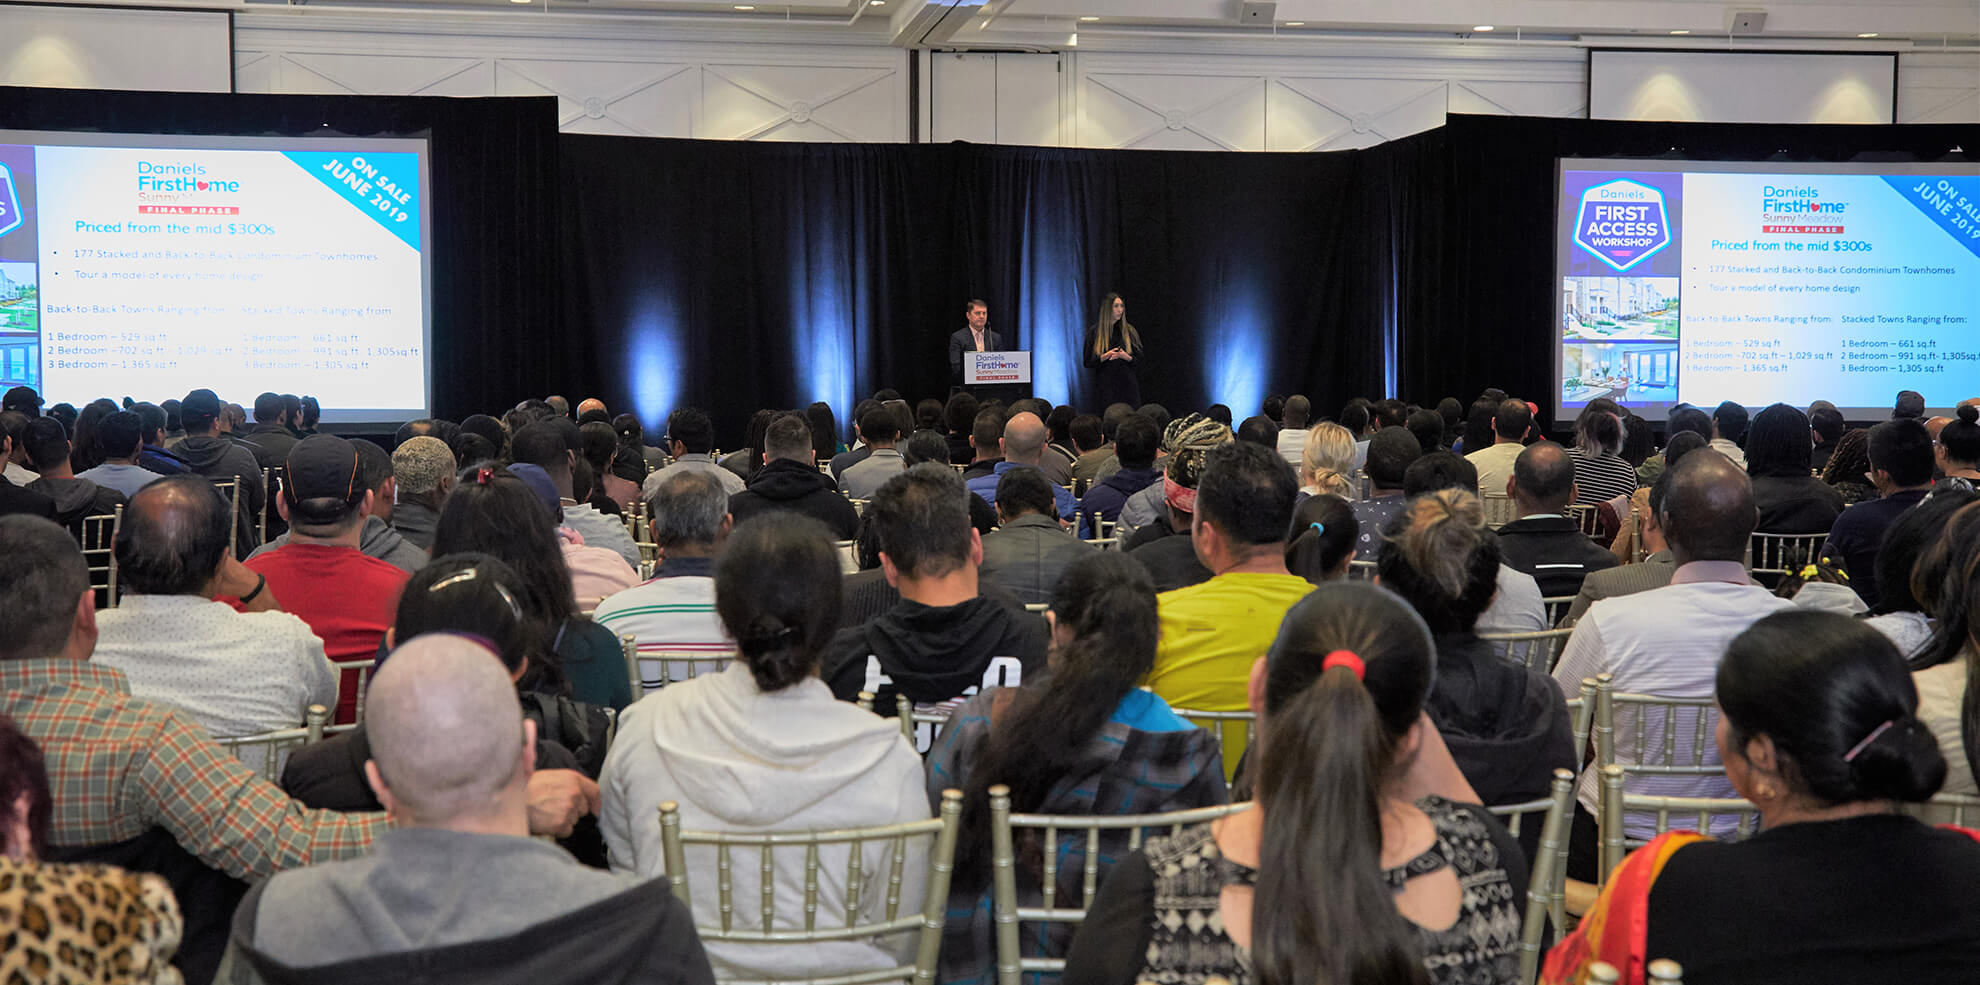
{"x":1326,"y":460}
{"x":1819,"y":729}
{"x":1362,"y":862}
{"x":1083,"y":740}
{"x":763,"y":746}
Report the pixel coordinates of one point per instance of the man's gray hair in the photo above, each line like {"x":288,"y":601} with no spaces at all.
{"x":687,"y":508}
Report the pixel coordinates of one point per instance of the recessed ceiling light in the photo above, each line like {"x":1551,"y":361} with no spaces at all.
{"x":520,"y":1}
{"x":1872,"y":34}
{"x":745,"y":6}
{"x":1482,"y":28}
{"x":1295,"y":23}
{"x":1089,"y":19}
{"x":876,"y":3}
{"x":1680,"y":32}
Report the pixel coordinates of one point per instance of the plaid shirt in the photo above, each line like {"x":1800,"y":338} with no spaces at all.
{"x":118,"y":766}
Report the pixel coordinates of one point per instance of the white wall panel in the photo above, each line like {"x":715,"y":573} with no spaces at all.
{"x":1939,"y":88}
{"x":108,"y":48}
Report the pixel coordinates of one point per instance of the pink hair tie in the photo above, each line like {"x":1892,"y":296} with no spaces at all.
{"x":1850,"y":756}
{"x":1344,"y":658}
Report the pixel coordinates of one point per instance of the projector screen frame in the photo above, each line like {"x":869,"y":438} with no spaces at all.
{"x":1564,"y":225}
{"x":347,"y":418}
{"x":1588,"y":74}
{"x":233,"y":46}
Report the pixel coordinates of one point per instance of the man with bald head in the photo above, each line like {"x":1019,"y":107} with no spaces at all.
{"x":1668,"y":641}
{"x":1023,"y":446}
{"x":559,"y":404}
{"x":593,"y":409}
{"x":458,"y":891}
{"x":1544,"y":542}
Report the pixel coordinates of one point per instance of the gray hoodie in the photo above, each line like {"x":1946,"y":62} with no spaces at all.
{"x":377,"y":540}
{"x":738,"y":759}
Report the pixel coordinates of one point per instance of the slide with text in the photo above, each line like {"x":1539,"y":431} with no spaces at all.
{"x":1758,"y":285}
{"x":129,"y":266}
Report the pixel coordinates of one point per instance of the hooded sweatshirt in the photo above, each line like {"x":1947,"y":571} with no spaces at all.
{"x":1507,"y":727}
{"x":790,"y":485}
{"x":936,"y":655}
{"x":377,"y":539}
{"x":76,"y":498}
{"x":442,"y":907}
{"x":219,"y":459}
{"x":738,"y":759}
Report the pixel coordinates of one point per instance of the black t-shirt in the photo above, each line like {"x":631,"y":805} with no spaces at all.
{"x":1882,"y":898}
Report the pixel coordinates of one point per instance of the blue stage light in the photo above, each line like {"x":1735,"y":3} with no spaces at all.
{"x":654,"y":370}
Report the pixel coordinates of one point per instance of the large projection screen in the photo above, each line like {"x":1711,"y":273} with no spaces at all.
{"x":116,"y":48}
{"x":1705,"y":281}
{"x":1742,"y":86}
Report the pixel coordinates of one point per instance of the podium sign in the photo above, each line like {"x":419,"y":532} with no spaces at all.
{"x":996,"y":368}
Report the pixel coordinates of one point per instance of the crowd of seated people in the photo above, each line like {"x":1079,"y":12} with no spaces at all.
{"x":1053,"y":595}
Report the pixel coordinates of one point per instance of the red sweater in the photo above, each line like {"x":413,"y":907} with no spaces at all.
{"x":348,"y":599}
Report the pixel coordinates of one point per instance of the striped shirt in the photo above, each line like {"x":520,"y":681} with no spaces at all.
{"x":674,"y":613}
{"x":1665,"y":642}
{"x":1600,"y":479}
{"x":118,"y":767}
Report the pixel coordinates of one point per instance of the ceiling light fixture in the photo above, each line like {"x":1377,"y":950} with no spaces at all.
{"x":745,"y":6}
{"x":1483,"y":28}
{"x":1295,"y":23}
{"x":1089,"y":19}
{"x":1872,"y":34}
{"x":876,"y":3}
{"x":1681,"y":31}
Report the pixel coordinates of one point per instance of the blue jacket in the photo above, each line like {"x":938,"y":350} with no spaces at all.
{"x":986,"y":487}
{"x":1106,"y":499}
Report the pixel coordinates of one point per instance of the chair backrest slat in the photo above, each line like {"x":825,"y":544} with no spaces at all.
{"x":267,"y":752}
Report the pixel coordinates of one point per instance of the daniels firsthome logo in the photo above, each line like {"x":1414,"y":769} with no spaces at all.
{"x":1799,"y":210}
{"x":180,"y":189}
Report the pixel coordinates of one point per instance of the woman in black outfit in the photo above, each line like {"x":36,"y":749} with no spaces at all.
{"x":1112,"y":346}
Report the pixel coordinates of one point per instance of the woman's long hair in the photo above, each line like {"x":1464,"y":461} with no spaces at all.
{"x":824,"y":430}
{"x":1323,"y":914}
{"x":1107,"y":601}
{"x":777,"y":591}
{"x":1327,"y":459}
{"x":1102,"y":326}
{"x":493,"y":512}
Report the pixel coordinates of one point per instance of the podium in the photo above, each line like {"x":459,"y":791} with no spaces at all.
{"x":1002,"y":376}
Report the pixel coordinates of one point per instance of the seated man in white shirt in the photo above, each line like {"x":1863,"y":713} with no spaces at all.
{"x":1293,"y":422}
{"x":1667,"y":641}
{"x":235,"y":672}
{"x":674,"y":613}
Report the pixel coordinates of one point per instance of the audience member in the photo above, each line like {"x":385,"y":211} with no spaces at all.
{"x":825,"y":443}
{"x":615,"y":478}
{"x":84,"y":451}
{"x":1790,"y":498}
{"x":1544,"y":542}
{"x":494,"y":512}
{"x":1946,"y":582}
{"x":1259,"y":430}
{"x":790,"y":481}
{"x":1729,"y":431}
{"x":861,"y":447}
{"x":1910,"y":405}
{"x":674,"y":612}
{"x":451,"y":761}
{"x":1958,"y":449}
{"x":270,"y":436}
{"x":690,"y":436}
{"x":1211,"y":632}
{"x":74,"y":497}
{"x":1092,"y":742}
{"x":1135,"y":443}
{"x":1478,"y":427}
{"x":1628,"y":578}
{"x":1600,"y":472}
{"x":221,"y":460}
{"x":632,"y":436}
{"x":1021,"y":444}
{"x":378,"y":537}
{"x":1827,"y":427}
{"x":235,"y":672}
{"x":424,"y":472}
{"x":745,"y":461}
{"x":763,"y":746}
{"x":1147,"y":506}
{"x":1030,"y":550}
{"x":22,"y":400}
{"x":1451,"y":413}
{"x":1326,"y":462}
{"x":1165,"y":546}
{"x":1293,"y":422}
{"x":958,"y":420}
{"x":1389,"y":458}
{"x":1507,"y":727}
{"x":882,"y":460}
{"x":118,"y":444}
{"x":1900,"y":614}
{"x":921,"y":448}
{"x":1848,"y":470}
{"x":545,"y":446}
{"x":1647,"y":648}
{"x":15,"y":497}
{"x":1517,"y":606}
{"x":1428,"y":426}
{"x":986,"y":439}
{"x":1439,"y":470}
{"x":154,"y":455}
{"x":1324,"y":532}
{"x":1510,"y":422}
{"x":1820,"y":731}
{"x":1900,"y":454}
{"x":943,"y":638}
{"x":1363,"y":855}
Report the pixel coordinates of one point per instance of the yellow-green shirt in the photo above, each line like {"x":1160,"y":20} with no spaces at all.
{"x":1212,"y":633}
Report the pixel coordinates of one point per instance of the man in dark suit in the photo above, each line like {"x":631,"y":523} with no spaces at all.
{"x":1544,"y":542}
{"x":975,"y":337}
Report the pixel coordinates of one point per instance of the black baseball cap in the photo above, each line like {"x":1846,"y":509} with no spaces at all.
{"x":202,"y":406}
{"x":322,"y":470}
{"x":22,"y":399}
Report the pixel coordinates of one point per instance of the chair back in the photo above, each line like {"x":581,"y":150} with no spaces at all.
{"x":353,"y":678}
{"x":230,"y":490}
{"x":1779,"y":554}
{"x":1961,"y":810}
{"x":1665,"y":736}
{"x":920,"y":727}
{"x":652,"y":668}
{"x":271,"y":484}
{"x":1664,"y":971}
{"x":1054,"y":909}
{"x":1499,"y":510}
{"x":268,"y":752}
{"x":1534,"y":651}
{"x":1546,"y":889}
{"x":925,"y":922}
{"x":848,"y":556}
{"x":99,"y":549}
{"x":1557,"y":610}
{"x":1682,"y":813}
{"x":1582,"y":707}
{"x":1361,"y":571}
{"x":1226,"y":725}
{"x":1588,"y":517}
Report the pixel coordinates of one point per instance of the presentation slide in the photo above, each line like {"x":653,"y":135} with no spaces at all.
{"x":144,"y":265}
{"x":1695,"y":282}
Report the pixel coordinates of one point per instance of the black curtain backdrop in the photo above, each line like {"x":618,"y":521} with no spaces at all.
{"x":493,"y":165}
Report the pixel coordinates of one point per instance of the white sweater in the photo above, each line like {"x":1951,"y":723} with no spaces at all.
{"x":738,"y":759}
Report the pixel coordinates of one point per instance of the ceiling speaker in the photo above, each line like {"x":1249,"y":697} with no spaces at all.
{"x":1257,"y":13}
{"x":1746,"y":21}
